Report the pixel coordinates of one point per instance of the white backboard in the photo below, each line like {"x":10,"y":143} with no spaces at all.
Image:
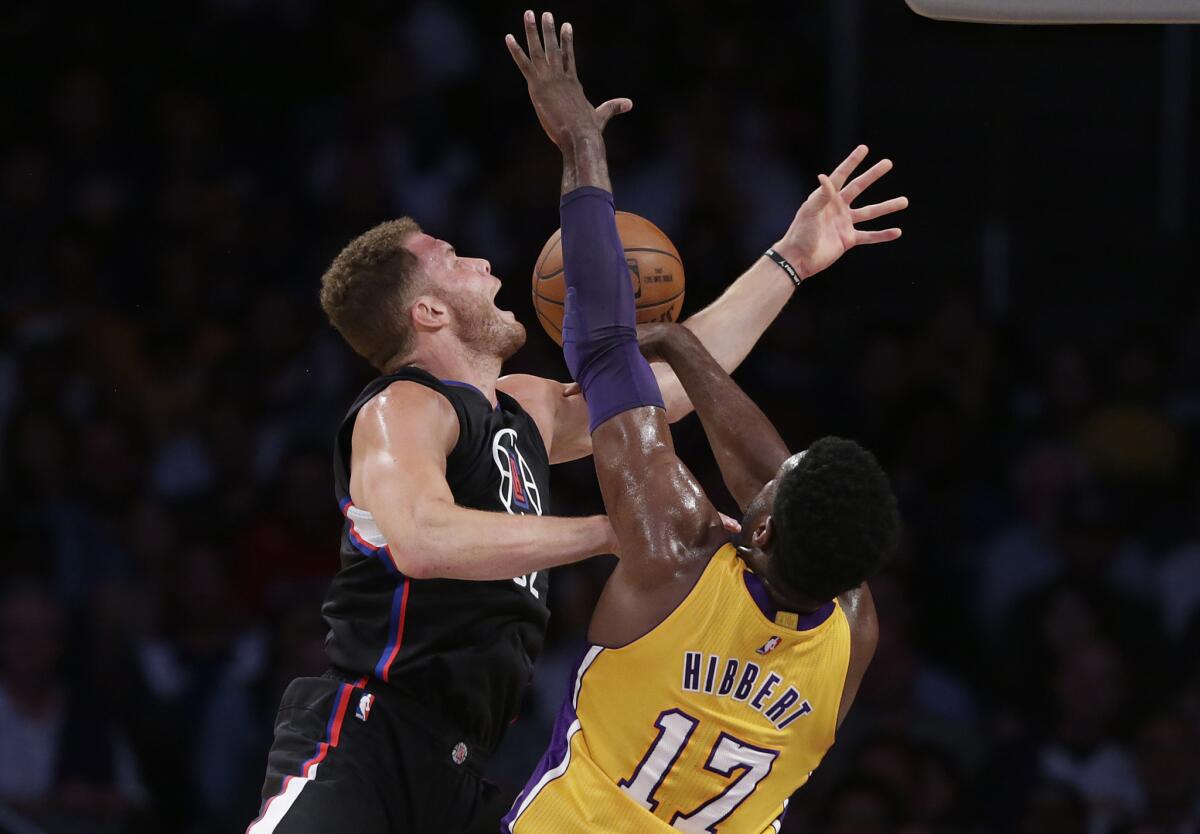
{"x":1060,"y":11}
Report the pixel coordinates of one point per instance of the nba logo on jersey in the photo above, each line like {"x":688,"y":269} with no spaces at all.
{"x":769,"y":646}
{"x":518,"y":491}
{"x":364,"y":706}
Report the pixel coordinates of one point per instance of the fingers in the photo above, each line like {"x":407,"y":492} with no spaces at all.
{"x":518,"y":55}
{"x":824,"y":193}
{"x":572,"y":390}
{"x":533,"y":41}
{"x":731,"y":525}
{"x":848,"y":165}
{"x":883,"y":236}
{"x":568,"y":48}
{"x":553,"y":53}
{"x":544,"y":46}
{"x":862,"y":215}
{"x":863,"y":181}
{"x":613,"y":107}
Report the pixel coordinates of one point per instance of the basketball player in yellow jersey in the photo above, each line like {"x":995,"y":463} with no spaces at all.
{"x":717,"y":674}
{"x":715,"y":681}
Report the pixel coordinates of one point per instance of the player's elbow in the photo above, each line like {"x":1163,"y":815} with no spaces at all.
{"x":417,"y":537}
{"x":414,"y":561}
{"x":413,"y":546}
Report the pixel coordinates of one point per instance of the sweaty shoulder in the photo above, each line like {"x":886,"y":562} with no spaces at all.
{"x":859,"y":606}
{"x":406,"y":411}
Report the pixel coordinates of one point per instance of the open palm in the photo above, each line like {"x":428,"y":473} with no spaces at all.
{"x":825,"y":226}
{"x":554,"y":88}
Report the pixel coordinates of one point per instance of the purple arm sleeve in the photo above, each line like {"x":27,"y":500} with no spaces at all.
{"x":599,"y":324}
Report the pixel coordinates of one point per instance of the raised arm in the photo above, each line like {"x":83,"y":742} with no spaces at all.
{"x":822,"y":231}
{"x":745,"y":442}
{"x":665,"y":524}
{"x":398,"y":474}
{"x":570,"y":122}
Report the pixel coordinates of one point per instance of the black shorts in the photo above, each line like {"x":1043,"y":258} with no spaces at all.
{"x":358,"y":756}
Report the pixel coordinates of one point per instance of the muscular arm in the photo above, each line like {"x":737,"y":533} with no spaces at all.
{"x":657,"y":509}
{"x":662,"y":519}
{"x":667,"y":527}
{"x":398,"y":474}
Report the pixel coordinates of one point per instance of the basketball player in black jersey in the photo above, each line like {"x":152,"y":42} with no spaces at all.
{"x":442,"y":472}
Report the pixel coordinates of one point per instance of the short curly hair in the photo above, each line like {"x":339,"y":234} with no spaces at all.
{"x":366,"y":288}
{"x":835,"y":519}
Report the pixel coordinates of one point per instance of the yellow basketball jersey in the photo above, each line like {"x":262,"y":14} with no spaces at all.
{"x":706,"y":724}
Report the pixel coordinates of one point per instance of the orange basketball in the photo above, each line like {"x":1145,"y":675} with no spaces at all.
{"x":654,"y":268}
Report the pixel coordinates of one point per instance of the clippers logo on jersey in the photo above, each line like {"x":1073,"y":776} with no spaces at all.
{"x":769,"y":646}
{"x":364,"y":706}
{"x":518,"y":490}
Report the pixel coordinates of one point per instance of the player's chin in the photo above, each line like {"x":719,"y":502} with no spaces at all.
{"x":514,"y":333}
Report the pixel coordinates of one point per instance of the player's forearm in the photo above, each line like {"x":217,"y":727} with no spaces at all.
{"x":585,"y":162}
{"x":675,"y":400}
{"x":746,"y":444}
{"x":599,"y":332}
{"x":730,"y":326}
{"x":452,"y":542}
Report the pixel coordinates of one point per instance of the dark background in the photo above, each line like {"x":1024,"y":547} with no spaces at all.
{"x":1025,"y":361}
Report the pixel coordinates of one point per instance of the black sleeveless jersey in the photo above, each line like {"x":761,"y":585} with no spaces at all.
{"x":465,"y":649}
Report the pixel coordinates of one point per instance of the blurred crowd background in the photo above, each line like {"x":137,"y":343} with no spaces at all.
{"x":1025,"y":362}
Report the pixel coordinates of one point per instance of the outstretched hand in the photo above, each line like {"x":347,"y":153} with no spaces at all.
{"x":824,"y":228}
{"x":549,"y":68}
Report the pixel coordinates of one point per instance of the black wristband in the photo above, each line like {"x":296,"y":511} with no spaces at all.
{"x":785,"y":266}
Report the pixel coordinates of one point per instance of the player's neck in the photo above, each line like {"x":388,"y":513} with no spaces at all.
{"x":783,"y":598}
{"x":789,"y":602}
{"x":455,"y":361}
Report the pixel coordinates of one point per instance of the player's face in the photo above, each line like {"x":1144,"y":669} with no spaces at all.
{"x":469,"y":289}
{"x":756,"y":523}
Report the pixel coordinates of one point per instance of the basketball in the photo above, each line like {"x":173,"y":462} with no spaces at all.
{"x":654,"y":268}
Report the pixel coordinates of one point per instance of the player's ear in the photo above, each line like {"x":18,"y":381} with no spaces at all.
{"x":428,"y":313}
{"x":763,"y":533}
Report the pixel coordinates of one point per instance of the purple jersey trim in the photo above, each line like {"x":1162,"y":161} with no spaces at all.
{"x":560,"y":738}
{"x":815,"y":618}
{"x":758,"y":592}
{"x":551,"y":758}
{"x":458,"y":384}
{"x":454,"y":383}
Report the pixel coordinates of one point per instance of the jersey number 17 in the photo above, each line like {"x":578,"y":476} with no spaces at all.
{"x":728,"y":755}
